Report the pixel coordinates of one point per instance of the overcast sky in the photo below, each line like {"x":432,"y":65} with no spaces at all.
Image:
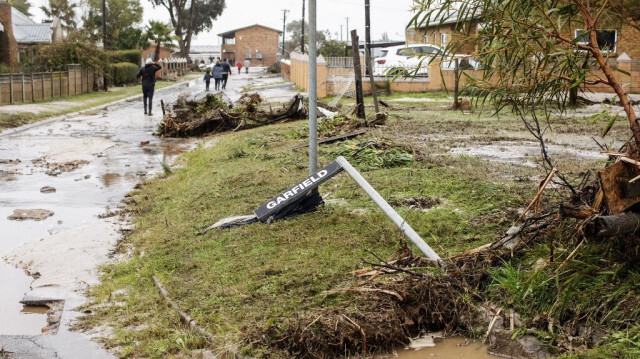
{"x":390,"y":16}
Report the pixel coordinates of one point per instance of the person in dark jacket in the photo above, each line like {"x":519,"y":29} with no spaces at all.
{"x":217,"y":74}
{"x":148,"y":74}
{"x":226,"y":71}
{"x":207,"y":79}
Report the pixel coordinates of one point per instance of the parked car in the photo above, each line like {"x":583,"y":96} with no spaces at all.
{"x":414,"y":59}
{"x":404,"y":60}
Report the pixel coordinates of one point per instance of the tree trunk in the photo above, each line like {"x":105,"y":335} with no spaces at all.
{"x":611,"y":226}
{"x":187,"y":44}
{"x":615,"y":84}
{"x":157,"y":53}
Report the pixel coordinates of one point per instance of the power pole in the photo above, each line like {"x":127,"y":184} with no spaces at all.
{"x":355,"y":46}
{"x":104,"y":40}
{"x":347,"y":26}
{"x":302,"y":40}
{"x":284,"y":29}
{"x":341,"y":39}
{"x":313,"y":90}
{"x":367,"y":52}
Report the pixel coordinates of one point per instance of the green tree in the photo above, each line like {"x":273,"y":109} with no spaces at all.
{"x":160,"y":33}
{"x":530,"y":58}
{"x":131,"y":38}
{"x":64,"y":10}
{"x":294,"y":30}
{"x":21,"y":5}
{"x":190,"y":18}
{"x":332,"y":48}
{"x":121,"y":15}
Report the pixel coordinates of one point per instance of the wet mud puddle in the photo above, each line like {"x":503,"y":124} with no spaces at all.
{"x":72,"y":172}
{"x":449,"y":348}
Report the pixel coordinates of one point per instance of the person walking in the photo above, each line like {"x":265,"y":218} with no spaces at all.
{"x":207,"y":79}
{"x":148,"y":74}
{"x":239,"y":66}
{"x":217,"y":74}
{"x":247,"y":64}
{"x":226,"y":71}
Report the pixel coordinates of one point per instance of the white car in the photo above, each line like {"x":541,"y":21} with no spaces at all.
{"x":414,"y":59}
{"x":405,"y":60}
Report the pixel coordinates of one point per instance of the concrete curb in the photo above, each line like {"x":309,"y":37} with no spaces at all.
{"x":29,"y":126}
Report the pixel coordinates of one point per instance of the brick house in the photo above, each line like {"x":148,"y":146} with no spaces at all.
{"x":256,"y":43}
{"x":8,"y":44}
{"x":619,"y":39}
{"x":149,"y":52}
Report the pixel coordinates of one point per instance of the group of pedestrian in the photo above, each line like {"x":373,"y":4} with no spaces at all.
{"x":247,"y":64}
{"x":220,"y":73}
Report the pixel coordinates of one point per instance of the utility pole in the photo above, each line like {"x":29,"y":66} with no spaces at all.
{"x":313,"y":90}
{"x":104,"y":40}
{"x":341,"y":39}
{"x":284,"y":29}
{"x":355,"y":41}
{"x":347,"y":26}
{"x":302,"y":40}
{"x":367,"y":52}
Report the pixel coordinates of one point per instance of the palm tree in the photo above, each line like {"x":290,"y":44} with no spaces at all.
{"x":161,"y":34}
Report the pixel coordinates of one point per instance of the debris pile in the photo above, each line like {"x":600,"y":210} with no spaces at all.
{"x":55,"y":169}
{"x":375,"y":154}
{"x":212,"y":114}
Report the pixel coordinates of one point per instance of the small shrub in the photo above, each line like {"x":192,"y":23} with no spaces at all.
{"x":124,"y":73}
{"x":131,"y":56}
{"x":63,"y":53}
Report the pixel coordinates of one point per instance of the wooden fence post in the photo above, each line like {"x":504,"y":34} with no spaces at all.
{"x":52,"y":88}
{"x":33,"y":90}
{"x":23,"y":92}
{"x":68,"y":80}
{"x":60,"y":73}
{"x":42,"y":78}
{"x":10,"y":88}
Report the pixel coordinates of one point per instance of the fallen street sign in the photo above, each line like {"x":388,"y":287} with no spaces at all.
{"x":297,"y":191}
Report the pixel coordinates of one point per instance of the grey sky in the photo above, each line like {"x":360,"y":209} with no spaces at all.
{"x":390,"y":16}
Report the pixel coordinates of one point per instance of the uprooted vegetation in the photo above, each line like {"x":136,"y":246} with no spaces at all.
{"x":213,"y":114}
{"x":341,"y":282}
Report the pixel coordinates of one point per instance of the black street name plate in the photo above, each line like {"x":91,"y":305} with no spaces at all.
{"x":297,"y":191}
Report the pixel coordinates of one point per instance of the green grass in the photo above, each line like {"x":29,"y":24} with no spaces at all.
{"x":256,"y":276}
{"x":247,"y":279}
{"x":75,"y":103}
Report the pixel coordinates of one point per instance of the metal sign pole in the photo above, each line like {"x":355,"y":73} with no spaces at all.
{"x":313,"y":91}
{"x":388,"y":210}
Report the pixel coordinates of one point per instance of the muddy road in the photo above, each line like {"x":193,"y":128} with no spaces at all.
{"x":61,"y":184}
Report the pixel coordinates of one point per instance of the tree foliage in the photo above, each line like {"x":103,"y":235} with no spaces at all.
{"x":21,"y":5}
{"x":64,"y":10}
{"x":131,"y":38}
{"x":160,"y":33}
{"x":121,"y":15}
{"x":332,"y":48}
{"x":71,"y":52}
{"x":190,"y":18}
{"x":294,"y":29}
{"x":530,"y":58}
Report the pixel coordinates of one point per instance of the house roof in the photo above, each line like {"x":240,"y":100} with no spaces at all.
{"x":26,"y":30}
{"x":231,"y":33}
{"x":204,"y":49}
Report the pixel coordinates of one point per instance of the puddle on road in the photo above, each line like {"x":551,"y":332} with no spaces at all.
{"x":449,"y":348}
{"x":25,"y":320}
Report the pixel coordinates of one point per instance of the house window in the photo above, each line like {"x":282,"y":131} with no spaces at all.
{"x":248,"y":56}
{"x":259,"y":55}
{"x":607,"y":39}
{"x":443,"y":39}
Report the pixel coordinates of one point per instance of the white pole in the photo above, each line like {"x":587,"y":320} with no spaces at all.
{"x":388,"y":210}
{"x":313,"y":91}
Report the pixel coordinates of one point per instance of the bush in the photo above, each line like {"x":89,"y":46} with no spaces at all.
{"x":124,"y":73}
{"x":63,"y":53}
{"x":131,"y":56}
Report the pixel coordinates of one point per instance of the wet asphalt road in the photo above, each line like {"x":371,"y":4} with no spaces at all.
{"x":62,"y":252}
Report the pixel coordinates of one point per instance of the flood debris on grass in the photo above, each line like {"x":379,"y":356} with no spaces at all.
{"x":375,"y":154}
{"x":418,"y":203}
{"x":212,"y":114}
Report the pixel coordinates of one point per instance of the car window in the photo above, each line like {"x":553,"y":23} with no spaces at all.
{"x":384,"y":53}
{"x":432,"y":50}
{"x":404,"y":52}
